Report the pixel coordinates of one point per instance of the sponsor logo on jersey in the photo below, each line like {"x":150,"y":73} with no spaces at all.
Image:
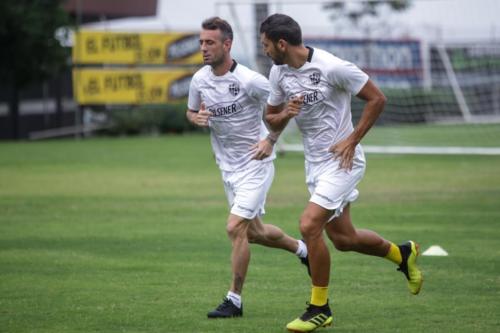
{"x":311,"y":97}
{"x":224,"y":109}
{"x":315,"y":78}
{"x":234,"y":89}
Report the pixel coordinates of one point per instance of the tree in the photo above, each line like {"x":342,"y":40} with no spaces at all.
{"x":30,"y":51}
{"x":355,"y":12}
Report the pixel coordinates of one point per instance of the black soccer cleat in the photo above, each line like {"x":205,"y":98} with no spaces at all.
{"x":226,"y":310}
{"x":305,"y":262}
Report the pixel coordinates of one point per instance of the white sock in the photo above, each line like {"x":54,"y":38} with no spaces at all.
{"x":235,"y":298}
{"x":301,"y":249}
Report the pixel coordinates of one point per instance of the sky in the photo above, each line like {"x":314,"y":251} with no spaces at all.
{"x":430,"y":20}
{"x":450,"y":19}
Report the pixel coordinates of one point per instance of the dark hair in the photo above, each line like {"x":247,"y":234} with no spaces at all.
{"x":280,"y":26}
{"x":216,"y":23}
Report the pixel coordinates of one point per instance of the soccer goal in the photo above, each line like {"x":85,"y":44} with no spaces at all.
{"x":442,"y":99}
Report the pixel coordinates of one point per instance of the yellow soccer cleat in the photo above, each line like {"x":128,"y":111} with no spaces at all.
{"x":314,"y":317}
{"x":409,"y":253}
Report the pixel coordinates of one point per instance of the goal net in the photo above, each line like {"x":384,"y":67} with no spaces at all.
{"x":442,"y":99}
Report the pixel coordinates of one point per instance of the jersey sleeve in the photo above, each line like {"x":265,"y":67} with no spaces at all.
{"x":194,"y":99}
{"x":276,"y":95}
{"x":258,"y":88}
{"x":348,"y":76}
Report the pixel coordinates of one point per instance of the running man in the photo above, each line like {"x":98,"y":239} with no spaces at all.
{"x":314,"y":87}
{"x":229,"y":98}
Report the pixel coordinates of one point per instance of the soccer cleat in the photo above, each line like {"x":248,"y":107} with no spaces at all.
{"x":409,"y":253}
{"x":226,"y":310}
{"x":305,"y":262}
{"x":314,"y":317}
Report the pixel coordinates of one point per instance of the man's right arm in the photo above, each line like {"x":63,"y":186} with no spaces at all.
{"x":199,"y":118}
{"x":191,"y":116}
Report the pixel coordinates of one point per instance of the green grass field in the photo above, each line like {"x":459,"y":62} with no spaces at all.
{"x":128,"y":235}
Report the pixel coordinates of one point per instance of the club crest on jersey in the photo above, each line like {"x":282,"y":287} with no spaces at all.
{"x":315,"y":78}
{"x":234,"y":89}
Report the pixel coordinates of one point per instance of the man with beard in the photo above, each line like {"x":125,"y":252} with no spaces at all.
{"x":314,"y":87}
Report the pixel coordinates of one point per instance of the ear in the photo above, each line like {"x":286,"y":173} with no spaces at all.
{"x":227,"y":44}
{"x":282,"y":45}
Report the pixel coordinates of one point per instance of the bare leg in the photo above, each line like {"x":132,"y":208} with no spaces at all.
{"x":270,"y":235}
{"x":237,"y":228}
{"x":346,"y":237}
{"x":312,"y":223}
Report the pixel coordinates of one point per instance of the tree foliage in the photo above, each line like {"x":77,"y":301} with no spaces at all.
{"x":355,"y":12}
{"x":29,"y":50}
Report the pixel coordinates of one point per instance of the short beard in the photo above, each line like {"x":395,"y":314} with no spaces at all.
{"x":216,"y":62}
{"x":278,"y":62}
{"x":279,"y":59}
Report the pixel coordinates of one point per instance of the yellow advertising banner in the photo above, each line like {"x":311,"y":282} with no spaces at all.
{"x":130,"y":86}
{"x":101,"y":47}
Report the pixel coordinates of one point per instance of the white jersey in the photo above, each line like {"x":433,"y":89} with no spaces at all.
{"x":327,"y":83}
{"x":236,"y":101}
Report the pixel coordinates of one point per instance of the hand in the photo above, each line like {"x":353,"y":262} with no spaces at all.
{"x":344,"y":151}
{"x":294,"y":105}
{"x":262,"y":149}
{"x":202,"y":116}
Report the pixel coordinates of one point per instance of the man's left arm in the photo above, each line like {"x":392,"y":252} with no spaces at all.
{"x":375,"y":102}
